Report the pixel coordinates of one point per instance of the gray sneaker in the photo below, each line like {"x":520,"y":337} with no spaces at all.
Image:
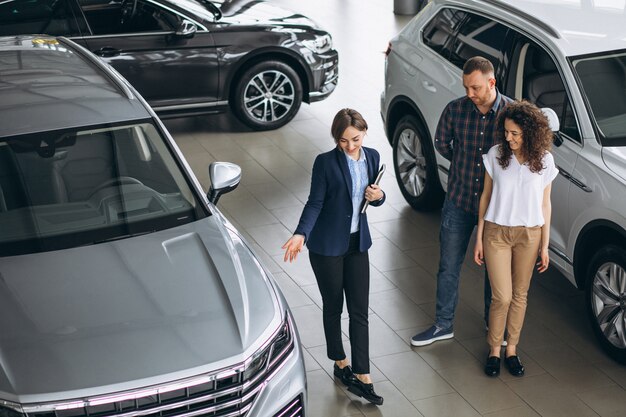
{"x":430,"y":335}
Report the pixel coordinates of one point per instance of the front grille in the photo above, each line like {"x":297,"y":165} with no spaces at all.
{"x":294,"y":409}
{"x":224,"y":393}
{"x":221,"y":397}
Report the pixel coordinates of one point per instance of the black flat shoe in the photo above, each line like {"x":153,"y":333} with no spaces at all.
{"x":514,"y":365}
{"x":492,"y":367}
{"x":366,"y":391}
{"x":345,"y":374}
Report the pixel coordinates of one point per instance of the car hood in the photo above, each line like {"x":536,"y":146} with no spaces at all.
{"x":255,"y":12}
{"x":131,"y":313}
{"x":614,"y":158}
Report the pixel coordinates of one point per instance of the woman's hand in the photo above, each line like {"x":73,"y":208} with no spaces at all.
{"x":293,"y":247}
{"x":479,"y":257}
{"x":544,"y":260}
{"x":373,"y":193}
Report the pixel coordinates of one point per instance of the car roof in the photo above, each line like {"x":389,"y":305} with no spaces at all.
{"x":49,"y":83}
{"x":582,"y":27}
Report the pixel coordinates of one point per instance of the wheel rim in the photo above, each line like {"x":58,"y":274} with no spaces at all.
{"x":609,"y":302}
{"x":269,"y":96}
{"x":411,"y":162}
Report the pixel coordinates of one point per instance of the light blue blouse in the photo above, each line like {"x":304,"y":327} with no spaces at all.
{"x":358,"y":174}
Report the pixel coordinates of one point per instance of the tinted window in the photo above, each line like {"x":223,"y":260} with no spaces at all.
{"x":51,"y":17}
{"x":603,"y":80}
{"x":439,"y":30}
{"x":107,"y":17}
{"x":478,"y":35}
{"x":542,"y":84}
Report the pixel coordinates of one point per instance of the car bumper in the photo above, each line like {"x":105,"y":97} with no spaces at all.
{"x":325,"y":76}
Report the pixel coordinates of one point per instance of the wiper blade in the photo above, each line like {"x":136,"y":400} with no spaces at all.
{"x":120,"y":237}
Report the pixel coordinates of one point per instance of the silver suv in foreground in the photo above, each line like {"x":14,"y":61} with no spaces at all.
{"x":569,"y":58}
{"x":124,"y":292}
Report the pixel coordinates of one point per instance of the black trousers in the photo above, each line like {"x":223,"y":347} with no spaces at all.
{"x":349,"y":274}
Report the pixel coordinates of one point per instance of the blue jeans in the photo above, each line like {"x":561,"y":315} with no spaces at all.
{"x":457,"y":226}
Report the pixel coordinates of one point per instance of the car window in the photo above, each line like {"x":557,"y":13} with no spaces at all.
{"x":112,"y":17}
{"x":478,"y":35}
{"x":541,"y":83}
{"x":438,"y":31}
{"x":52,"y":17}
{"x":82,"y":186}
{"x":603,"y":80}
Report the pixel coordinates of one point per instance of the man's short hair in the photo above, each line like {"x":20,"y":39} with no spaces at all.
{"x":478,"y":63}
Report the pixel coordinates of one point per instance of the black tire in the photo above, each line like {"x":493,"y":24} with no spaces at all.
{"x":267,"y":96}
{"x":606,"y":299}
{"x":416,"y":166}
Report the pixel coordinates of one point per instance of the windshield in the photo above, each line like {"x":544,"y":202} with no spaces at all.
{"x":603,"y":79}
{"x":84,"y":186}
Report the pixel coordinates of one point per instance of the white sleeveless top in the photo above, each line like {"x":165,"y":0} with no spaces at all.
{"x":517,"y":195}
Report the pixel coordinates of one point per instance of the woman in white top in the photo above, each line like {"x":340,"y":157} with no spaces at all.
{"x":514,"y":223}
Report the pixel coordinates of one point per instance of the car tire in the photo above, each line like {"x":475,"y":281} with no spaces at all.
{"x":415,"y":165}
{"x":606,"y":299}
{"x":268,"y":95}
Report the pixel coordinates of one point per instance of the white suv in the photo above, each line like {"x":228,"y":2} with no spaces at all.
{"x":567,"y":57}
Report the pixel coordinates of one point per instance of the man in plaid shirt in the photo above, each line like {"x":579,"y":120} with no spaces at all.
{"x":466,"y":130}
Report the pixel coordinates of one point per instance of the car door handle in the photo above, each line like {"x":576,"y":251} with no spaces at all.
{"x":573,"y":180}
{"x":429,"y":86}
{"x":107,"y":52}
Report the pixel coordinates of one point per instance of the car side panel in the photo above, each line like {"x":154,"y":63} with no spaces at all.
{"x":164,"y":68}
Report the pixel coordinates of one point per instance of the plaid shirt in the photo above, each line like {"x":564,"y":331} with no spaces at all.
{"x":463,"y":135}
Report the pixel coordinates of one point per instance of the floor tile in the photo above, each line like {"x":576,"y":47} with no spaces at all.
{"x":606,"y":401}
{"x":395,"y":404}
{"x":445,"y":406}
{"x":485,"y":394}
{"x":412,"y":375}
{"x":326,"y":398}
{"x":397,"y":310}
{"x":546,"y":396}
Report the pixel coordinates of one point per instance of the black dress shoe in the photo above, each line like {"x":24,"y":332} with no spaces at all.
{"x":345,"y":374}
{"x":366,"y":391}
{"x":514,"y":365}
{"x":492,"y":367}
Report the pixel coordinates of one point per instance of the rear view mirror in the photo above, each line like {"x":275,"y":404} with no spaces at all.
{"x":186,"y":29}
{"x":225,"y":177}
{"x":555,"y":126}
{"x":553,"y":119}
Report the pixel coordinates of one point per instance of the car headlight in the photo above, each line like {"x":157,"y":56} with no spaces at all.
{"x":267,"y":359}
{"x":320,"y":44}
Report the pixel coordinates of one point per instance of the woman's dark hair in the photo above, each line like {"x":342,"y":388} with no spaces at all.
{"x":536,"y":134}
{"x":344,"y":119}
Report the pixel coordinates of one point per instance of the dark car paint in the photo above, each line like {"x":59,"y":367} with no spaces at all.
{"x":182,"y":76}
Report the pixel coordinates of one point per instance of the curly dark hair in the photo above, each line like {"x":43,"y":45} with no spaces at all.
{"x":536,"y":134}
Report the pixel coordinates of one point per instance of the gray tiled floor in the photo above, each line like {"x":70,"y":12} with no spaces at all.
{"x":567,"y":374}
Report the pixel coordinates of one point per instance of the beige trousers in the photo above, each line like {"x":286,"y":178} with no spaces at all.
{"x":510,"y":254}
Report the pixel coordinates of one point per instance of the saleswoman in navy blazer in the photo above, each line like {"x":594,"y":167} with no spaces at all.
{"x":338,"y":238}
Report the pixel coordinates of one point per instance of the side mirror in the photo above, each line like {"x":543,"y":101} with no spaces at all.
{"x":555,"y":126}
{"x":186,"y":29}
{"x":225,"y":177}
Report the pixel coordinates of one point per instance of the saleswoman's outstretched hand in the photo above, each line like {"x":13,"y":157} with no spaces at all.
{"x":293,"y":247}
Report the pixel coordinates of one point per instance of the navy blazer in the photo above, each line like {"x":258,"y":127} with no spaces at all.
{"x":327,"y":215}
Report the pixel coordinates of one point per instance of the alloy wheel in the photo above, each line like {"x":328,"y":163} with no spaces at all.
{"x":411,"y":162}
{"x":268,"y":96}
{"x":609,"y":302}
